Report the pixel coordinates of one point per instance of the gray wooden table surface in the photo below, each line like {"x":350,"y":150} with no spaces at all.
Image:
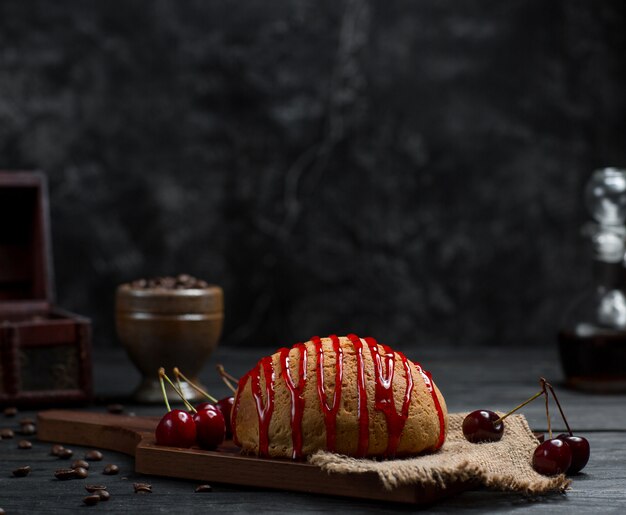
{"x":496,"y":379}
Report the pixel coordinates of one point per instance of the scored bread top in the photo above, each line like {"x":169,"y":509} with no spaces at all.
{"x":344,"y":394}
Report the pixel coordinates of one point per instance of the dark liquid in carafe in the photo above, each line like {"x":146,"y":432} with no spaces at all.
{"x":595,"y":363}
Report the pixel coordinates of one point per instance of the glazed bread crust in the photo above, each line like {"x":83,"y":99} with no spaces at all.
{"x":421,"y":431}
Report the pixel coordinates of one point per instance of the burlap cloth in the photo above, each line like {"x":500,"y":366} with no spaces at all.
{"x":504,"y":465}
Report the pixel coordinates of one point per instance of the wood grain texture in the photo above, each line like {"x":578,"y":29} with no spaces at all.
{"x":493,"y":378}
{"x":135,"y":436}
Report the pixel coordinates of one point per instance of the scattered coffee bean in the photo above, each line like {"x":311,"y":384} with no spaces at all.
{"x":115,"y":409}
{"x":92,"y":488}
{"x":90,"y":500}
{"x":28,"y":429}
{"x":6,"y":433}
{"x":11,"y":411}
{"x":204,"y":488}
{"x":22,"y":471}
{"x":56,"y":449}
{"x":93,"y":455}
{"x":24,"y":421}
{"x":111,"y":470}
{"x":103,"y":494}
{"x":65,"y":474}
{"x":180,"y":282}
{"x":142,"y":488}
{"x":24,"y":444}
{"x":80,"y":473}
{"x":2,"y":512}
{"x":65,"y":454}
{"x":80,"y":463}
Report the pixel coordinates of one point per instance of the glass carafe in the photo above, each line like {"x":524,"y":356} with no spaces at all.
{"x":592,"y":340}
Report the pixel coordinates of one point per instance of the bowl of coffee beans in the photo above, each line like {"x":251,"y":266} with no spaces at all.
{"x":168,"y":322}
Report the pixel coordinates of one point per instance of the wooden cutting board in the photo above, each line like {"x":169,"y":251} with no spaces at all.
{"x":135,"y":436}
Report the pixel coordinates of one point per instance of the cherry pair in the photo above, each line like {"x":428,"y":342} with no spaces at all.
{"x":564,"y":454}
{"x":204,"y":425}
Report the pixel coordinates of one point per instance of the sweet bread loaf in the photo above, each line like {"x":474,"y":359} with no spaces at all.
{"x":344,"y":394}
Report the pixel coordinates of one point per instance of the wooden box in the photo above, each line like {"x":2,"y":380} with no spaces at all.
{"x":45,"y":352}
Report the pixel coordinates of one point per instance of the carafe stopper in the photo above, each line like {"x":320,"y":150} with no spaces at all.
{"x":605,"y":198}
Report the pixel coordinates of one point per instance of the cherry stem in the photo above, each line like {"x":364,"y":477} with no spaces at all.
{"x":542,"y":392}
{"x":226,"y":377}
{"x":556,"y":399}
{"x":180,"y":386}
{"x":180,"y":394}
{"x":161,"y":374}
{"x":180,"y":375}
{"x":543,"y":385}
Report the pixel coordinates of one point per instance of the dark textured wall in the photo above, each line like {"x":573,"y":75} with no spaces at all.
{"x":406,"y":169}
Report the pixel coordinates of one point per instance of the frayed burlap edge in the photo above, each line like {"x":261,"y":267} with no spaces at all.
{"x":504,"y":465}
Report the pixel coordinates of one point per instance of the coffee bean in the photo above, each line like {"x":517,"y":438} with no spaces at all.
{"x":80,"y":473}
{"x":6,"y":433}
{"x":142,"y":488}
{"x":168,"y":283}
{"x":115,"y":409}
{"x":28,"y":429}
{"x":93,"y":488}
{"x":65,"y":454}
{"x":24,"y":444}
{"x":24,"y":421}
{"x":204,"y":488}
{"x":93,"y":455}
{"x":22,"y":471}
{"x":103,"y":494}
{"x":90,"y":500}
{"x":65,"y":474}
{"x":111,"y":470}
{"x":56,"y":449}
{"x":11,"y":411}
{"x":80,"y":463}
{"x":180,"y":282}
{"x":2,"y":512}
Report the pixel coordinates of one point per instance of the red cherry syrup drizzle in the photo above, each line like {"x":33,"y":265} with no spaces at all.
{"x":383,"y":400}
{"x":428,"y":379}
{"x":363,"y":413}
{"x":330,"y":412}
{"x":384,"y":369}
{"x":265,"y":408}
{"x":297,"y":394}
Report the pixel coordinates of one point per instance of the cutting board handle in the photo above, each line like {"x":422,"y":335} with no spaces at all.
{"x":121,"y":433}
{"x":135,"y":436}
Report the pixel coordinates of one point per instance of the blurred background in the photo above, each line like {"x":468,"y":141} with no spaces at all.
{"x":407,"y":170}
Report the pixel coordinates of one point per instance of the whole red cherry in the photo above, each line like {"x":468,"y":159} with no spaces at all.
{"x":176,"y":429}
{"x":580,"y":452}
{"x":225,"y":405}
{"x":552,"y":457}
{"x":205,"y":405}
{"x":480,"y":426}
{"x":210,"y":427}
